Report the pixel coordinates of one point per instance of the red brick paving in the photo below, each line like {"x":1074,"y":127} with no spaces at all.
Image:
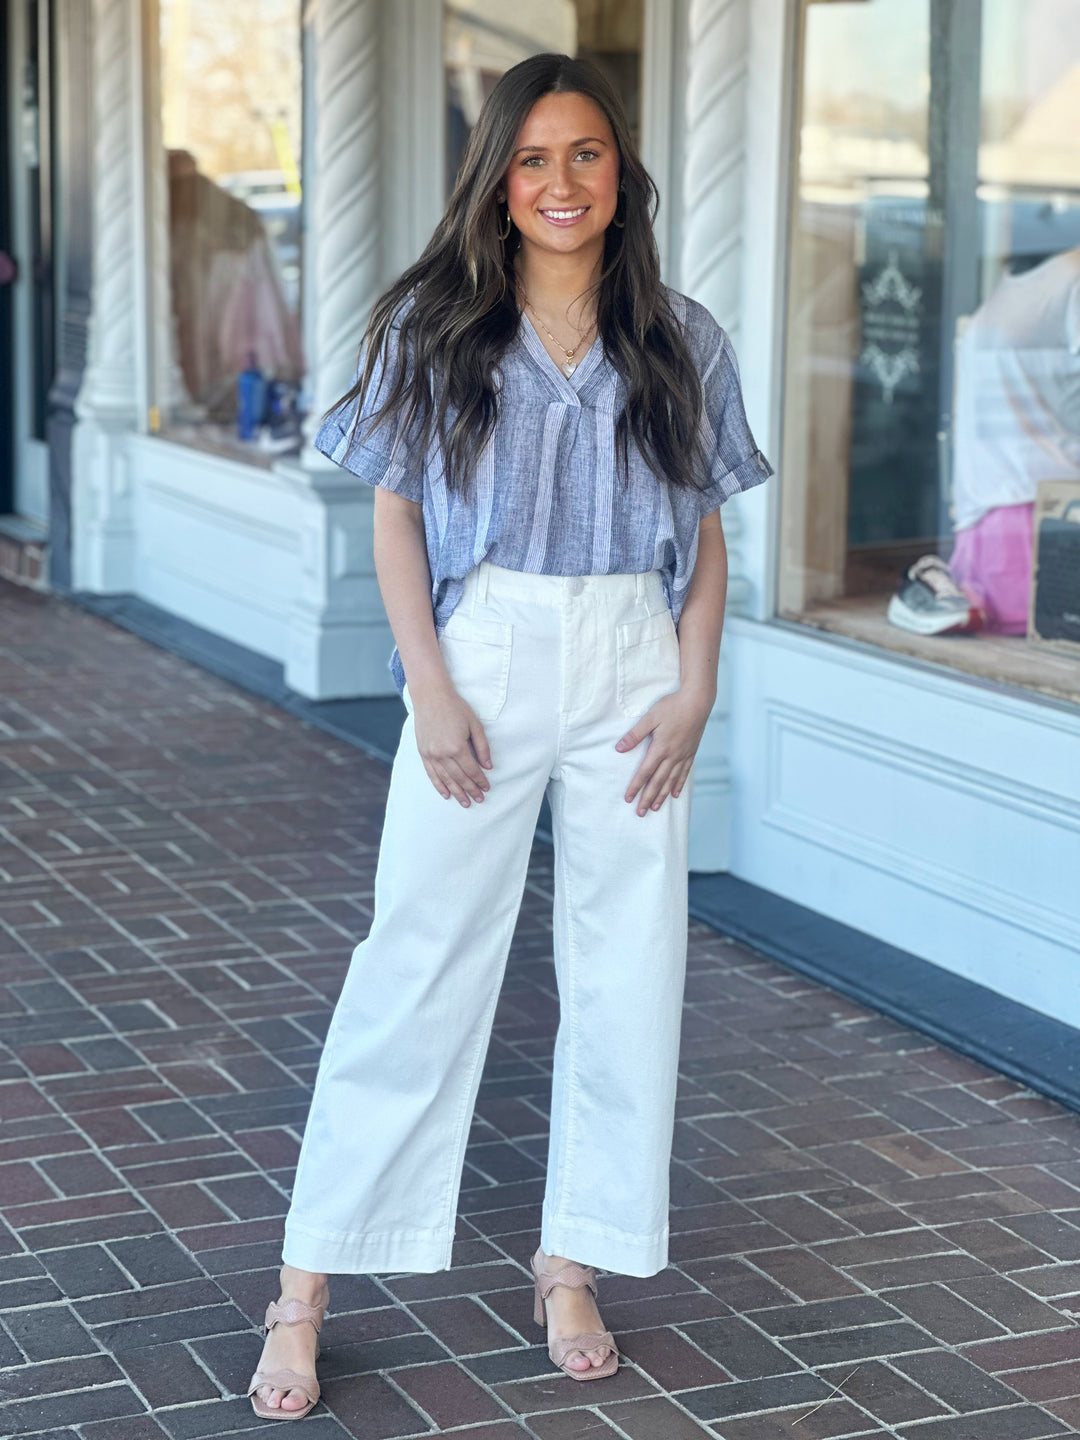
{"x":871,"y":1235}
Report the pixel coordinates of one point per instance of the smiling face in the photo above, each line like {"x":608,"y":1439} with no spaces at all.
{"x":562,"y":183}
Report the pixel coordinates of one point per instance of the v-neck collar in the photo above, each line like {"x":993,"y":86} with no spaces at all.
{"x":568,"y":385}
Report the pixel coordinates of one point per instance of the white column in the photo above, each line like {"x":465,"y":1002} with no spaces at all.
{"x":167,"y":388}
{"x":110,"y":398}
{"x":711,"y":271}
{"x":344,"y":228}
{"x":339,"y":640}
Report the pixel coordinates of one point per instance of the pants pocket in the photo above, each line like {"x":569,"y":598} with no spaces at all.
{"x":647,"y":662}
{"x":476,"y":652}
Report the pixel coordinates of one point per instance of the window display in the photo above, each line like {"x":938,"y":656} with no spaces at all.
{"x":933,"y":356}
{"x":231,"y":111}
{"x":482,"y":39}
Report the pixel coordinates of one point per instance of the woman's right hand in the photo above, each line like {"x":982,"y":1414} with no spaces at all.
{"x":445,"y":724}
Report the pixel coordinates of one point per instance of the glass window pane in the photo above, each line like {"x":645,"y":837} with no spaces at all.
{"x":231,"y":116}
{"x":483,"y":38}
{"x":933,"y":347}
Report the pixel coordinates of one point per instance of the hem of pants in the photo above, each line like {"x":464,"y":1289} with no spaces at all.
{"x":589,"y":1243}
{"x":391,"y":1253}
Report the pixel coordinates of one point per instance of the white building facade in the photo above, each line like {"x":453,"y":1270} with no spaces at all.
{"x":931,"y":804}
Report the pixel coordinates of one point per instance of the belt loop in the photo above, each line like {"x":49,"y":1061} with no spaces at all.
{"x":639,"y":586}
{"x":480,"y":593}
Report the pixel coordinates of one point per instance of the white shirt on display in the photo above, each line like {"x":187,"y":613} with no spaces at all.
{"x":1017,"y":412}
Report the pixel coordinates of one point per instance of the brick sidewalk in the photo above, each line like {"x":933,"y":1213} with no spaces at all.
{"x":187,"y":871}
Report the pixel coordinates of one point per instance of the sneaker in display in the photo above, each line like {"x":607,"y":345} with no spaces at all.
{"x":929,"y":601}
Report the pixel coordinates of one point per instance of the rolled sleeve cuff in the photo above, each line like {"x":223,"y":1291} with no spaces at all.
{"x":371,"y":466}
{"x":744,"y":476}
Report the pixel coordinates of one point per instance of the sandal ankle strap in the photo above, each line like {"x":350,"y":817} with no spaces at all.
{"x":292,"y":1312}
{"x":572,"y":1275}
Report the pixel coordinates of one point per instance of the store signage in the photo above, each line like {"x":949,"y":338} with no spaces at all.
{"x":892,"y":312}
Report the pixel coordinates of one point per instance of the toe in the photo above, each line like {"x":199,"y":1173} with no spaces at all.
{"x":294,"y":1400}
{"x":270,"y":1396}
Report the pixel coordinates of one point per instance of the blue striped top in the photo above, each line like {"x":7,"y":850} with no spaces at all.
{"x":546,"y":497}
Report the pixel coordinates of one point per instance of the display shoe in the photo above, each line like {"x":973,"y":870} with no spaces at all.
{"x":288,"y":1312}
{"x":929,"y":601}
{"x":574,"y":1276}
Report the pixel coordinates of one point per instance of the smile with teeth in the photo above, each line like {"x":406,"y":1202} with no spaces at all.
{"x":552,"y":214}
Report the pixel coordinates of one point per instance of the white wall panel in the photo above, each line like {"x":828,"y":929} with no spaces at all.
{"x":218,"y":543}
{"x":938,"y":814}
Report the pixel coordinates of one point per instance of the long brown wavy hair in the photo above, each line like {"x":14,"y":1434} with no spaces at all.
{"x":455,"y":309}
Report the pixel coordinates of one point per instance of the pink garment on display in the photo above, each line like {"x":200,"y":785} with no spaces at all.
{"x":991,"y":562}
{"x":252,"y":315}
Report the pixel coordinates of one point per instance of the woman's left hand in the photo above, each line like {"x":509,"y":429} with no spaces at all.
{"x":676,"y":723}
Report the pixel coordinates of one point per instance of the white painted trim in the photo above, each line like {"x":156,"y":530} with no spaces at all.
{"x":935,"y":811}
{"x":205,"y":472}
{"x":766,"y":211}
{"x":867,"y":848}
{"x":205,"y":493}
{"x":141,"y":201}
{"x":658,"y":116}
{"x":414,"y":129}
{"x":885,"y":665}
{"x":216,"y":541}
{"x":309,"y":111}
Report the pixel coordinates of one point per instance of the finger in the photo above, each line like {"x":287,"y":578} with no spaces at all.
{"x":684,"y":775}
{"x":461,"y":768}
{"x":480,"y":744}
{"x":436,"y":779}
{"x":465,"y":772}
{"x":470,"y":765}
{"x":633,"y":737}
{"x":452,"y":781}
{"x":653,"y":794}
{"x":643,"y":774}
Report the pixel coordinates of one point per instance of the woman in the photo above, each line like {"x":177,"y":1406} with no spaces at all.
{"x":557,"y":432}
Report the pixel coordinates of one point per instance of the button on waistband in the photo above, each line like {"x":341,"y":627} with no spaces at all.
{"x":576,"y":585}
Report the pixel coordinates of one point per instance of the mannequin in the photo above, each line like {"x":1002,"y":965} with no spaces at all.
{"x":1016,"y":423}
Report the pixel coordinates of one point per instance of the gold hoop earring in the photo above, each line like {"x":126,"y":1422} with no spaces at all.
{"x":505,"y":234}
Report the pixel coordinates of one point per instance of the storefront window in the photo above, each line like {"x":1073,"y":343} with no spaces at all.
{"x":931,"y":499}
{"x":482,"y":39}
{"x":231,"y":115}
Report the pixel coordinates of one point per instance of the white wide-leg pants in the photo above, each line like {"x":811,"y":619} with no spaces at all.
{"x":557,"y":668}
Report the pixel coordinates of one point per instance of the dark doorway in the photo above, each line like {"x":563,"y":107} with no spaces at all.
{"x":72,"y":160}
{"x":7,"y":452}
{"x":27,"y":302}
{"x":37,"y":157}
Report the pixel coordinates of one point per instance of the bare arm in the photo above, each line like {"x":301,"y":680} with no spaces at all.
{"x":401,"y":564}
{"x":677,"y":721}
{"x":445,"y":724}
{"x":701,"y":622}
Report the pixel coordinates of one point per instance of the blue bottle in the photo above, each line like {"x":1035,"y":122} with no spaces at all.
{"x":251,"y":399}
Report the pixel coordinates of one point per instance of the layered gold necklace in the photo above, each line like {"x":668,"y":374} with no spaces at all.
{"x":569,"y":365}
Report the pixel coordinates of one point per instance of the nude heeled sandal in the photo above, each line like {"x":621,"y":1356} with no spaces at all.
{"x":574,"y":1277}
{"x":288,"y":1312}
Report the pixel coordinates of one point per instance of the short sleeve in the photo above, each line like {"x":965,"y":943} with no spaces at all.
{"x":387,"y":459}
{"x":737,"y":463}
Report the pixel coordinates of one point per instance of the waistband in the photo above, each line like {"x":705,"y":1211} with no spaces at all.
{"x":487,"y":579}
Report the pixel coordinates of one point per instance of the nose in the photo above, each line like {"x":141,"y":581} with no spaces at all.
{"x":561,"y":182}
